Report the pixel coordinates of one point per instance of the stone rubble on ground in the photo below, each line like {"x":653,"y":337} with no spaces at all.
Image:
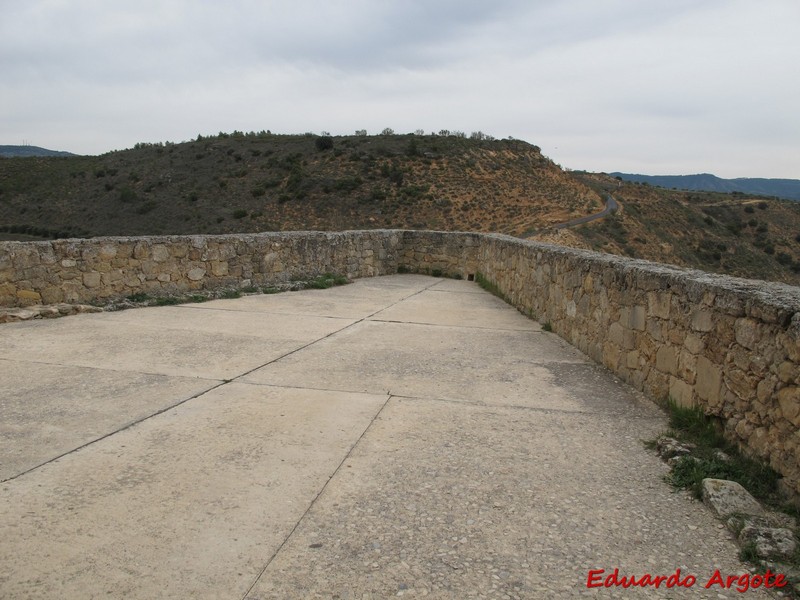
{"x":771,"y":533}
{"x":668,"y":447}
{"x":48,"y":311}
{"x":726,"y":498}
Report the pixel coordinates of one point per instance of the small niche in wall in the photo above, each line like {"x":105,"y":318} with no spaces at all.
{"x":470,"y":276}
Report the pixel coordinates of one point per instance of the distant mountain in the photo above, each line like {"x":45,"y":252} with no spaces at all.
{"x":788,"y":189}
{"x":24,"y":151}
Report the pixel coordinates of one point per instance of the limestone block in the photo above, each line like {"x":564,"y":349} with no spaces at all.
{"x":107,"y":251}
{"x":740,"y":383}
{"x":632,"y":359}
{"x":91,"y":279}
{"x":681,"y":392}
{"x":196,"y":274}
{"x":773,"y":543}
{"x":112,"y":277}
{"x":658,"y":304}
{"x":633,"y":317}
{"x":789,"y":401}
{"x":676,"y":335}
{"x":160,"y":253}
{"x":655,"y":329}
{"x":724,"y":330}
{"x":765,"y":388}
{"x":701,"y":320}
{"x":141,"y":250}
{"x":611,"y":355}
{"x":69,"y":263}
{"x":687,"y":366}
{"x":726,"y":498}
{"x":25,"y":259}
{"x":657,"y":383}
{"x":28,"y":297}
{"x":219,"y":268}
{"x":744,"y":429}
{"x":226,"y":251}
{"x":764,"y":312}
{"x":747,"y":332}
{"x":709,"y":381}
{"x":667,"y":360}
{"x":124,"y":251}
{"x":759,"y":441}
{"x":621,"y":337}
{"x":693,"y":343}
{"x":52,"y":295}
{"x":787,"y":372}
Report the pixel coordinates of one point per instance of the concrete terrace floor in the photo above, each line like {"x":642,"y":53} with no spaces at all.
{"x":400,"y":436}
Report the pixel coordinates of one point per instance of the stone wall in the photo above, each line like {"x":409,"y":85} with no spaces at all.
{"x":100,"y":269}
{"x":729,"y":345}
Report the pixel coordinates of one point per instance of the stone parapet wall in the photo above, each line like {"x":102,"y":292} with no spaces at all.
{"x":729,"y":345}
{"x":100,"y":269}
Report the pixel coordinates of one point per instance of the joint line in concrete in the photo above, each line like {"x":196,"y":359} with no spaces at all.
{"x":317,"y":497}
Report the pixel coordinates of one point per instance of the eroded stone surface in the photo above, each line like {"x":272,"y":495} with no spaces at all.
{"x":726,"y":498}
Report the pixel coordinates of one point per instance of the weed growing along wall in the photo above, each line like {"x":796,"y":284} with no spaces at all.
{"x":729,"y":345}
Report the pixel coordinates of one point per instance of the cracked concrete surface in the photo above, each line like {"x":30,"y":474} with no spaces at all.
{"x":399,"y":436}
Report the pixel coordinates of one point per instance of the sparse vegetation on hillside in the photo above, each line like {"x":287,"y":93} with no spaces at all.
{"x":262,"y":182}
{"x":251,"y":182}
{"x":732,"y":233}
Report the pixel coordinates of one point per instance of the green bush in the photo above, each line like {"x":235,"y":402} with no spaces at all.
{"x":323,"y":142}
{"x":127,"y":194}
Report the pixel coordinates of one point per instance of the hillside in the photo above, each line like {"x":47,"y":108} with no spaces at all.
{"x":788,"y":189}
{"x":24,"y":151}
{"x":265,"y":182}
{"x":734,"y":234}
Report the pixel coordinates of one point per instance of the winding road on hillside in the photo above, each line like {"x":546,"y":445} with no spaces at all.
{"x":611,"y":207}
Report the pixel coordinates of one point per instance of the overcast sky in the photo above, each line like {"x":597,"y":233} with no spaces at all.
{"x":647,"y":86}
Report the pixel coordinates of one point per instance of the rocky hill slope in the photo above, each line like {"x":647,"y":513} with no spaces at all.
{"x":264,"y":182}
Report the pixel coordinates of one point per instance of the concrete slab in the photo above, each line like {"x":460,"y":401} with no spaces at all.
{"x":189,"y":504}
{"x":49,"y":410}
{"x":495,"y":502}
{"x":504,"y":465}
{"x":161,"y":345}
{"x":462,"y":286}
{"x":442,"y":306}
{"x":430,"y":361}
{"x":354,"y":301}
{"x":230,"y":320}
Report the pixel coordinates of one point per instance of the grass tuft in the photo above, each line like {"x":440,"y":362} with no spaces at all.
{"x":328,"y":280}
{"x":693,"y":425}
